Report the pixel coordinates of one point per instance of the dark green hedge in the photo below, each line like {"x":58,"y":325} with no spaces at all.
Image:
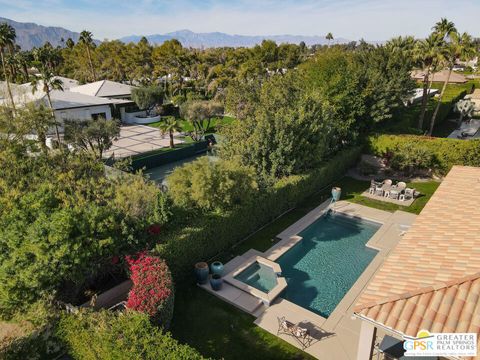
{"x":154,"y":159}
{"x":445,"y":152}
{"x":206,"y":235}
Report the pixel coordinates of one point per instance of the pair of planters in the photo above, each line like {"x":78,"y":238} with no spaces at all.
{"x":202,"y":272}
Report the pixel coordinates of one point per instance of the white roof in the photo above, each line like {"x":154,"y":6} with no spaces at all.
{"x":104,"y":88}
{"x":60,"y":99}
{"x":67,"y":82}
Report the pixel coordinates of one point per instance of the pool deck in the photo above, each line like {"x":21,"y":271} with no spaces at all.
{"x":336,"y":337}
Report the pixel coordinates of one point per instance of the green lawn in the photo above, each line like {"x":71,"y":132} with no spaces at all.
{"x":187,"y":125}
{"x":221,"y":331}
{"x":352,"y":189}
{"x":218,"y":329}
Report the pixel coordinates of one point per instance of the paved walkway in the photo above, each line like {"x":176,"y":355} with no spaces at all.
{"x":335,"y":337}
{"x":137,"y":139}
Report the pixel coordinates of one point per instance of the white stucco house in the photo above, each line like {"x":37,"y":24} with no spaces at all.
{"x":121,"y":94}
{"x":67,"y":104}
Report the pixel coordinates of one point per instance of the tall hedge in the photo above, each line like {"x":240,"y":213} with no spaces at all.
{"x":445,"y":152}
{"x":209,"y":234}
{"x":109,"y":336}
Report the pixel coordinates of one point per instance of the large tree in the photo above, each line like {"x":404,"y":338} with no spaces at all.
{"x":92,"y":136}
{"x":47,"y":82}
{"x":86,"y":39}
{"x":7,"y":41}
{"x":458,"y":46}
{"x":427,"y":53}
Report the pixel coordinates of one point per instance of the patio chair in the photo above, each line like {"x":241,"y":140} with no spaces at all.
{"x":401,"y":186}
{"x":373,"y":186}
{"x":301,"y":334}
{"x":407,"y":194}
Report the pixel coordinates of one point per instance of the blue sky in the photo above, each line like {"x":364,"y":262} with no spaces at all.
{"x":351,"y":19}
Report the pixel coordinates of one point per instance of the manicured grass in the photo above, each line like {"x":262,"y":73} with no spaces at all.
{"x":352,"y":190}
{"x":219,"y":330}
{"x":187,"y":126}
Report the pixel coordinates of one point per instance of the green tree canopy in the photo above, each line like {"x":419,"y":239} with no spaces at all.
{"x":148,"y":97}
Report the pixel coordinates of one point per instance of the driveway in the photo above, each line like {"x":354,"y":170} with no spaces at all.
{"x":137,"y":139}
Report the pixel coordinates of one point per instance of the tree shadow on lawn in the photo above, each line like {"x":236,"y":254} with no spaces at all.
{"x":219,"y":330}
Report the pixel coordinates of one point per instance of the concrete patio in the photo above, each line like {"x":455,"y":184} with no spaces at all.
{"x":137,"y":139}
{"x":336,"y":337}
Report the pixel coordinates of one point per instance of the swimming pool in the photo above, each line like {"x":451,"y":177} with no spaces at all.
{"x":322,"y":267}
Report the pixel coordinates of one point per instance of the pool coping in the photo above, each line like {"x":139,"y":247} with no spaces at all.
{"x":344,"y":341}
{"x":267,"y":298}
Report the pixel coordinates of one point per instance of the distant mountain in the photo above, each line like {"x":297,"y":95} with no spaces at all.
{"x":217,"y":39}
{"x":31,"y":35}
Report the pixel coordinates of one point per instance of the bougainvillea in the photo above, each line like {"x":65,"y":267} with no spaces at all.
{"x":152,"y":290}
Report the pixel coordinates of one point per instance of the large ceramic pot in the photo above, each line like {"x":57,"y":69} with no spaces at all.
{"x":216,"y":282}
{"x":201,"y":272}
{"x":336,"y":192}
{"x":217,"y":268}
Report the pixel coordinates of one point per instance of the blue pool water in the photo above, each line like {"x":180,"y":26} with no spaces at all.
{"x":259,"y":276}
{"x":322,"y":267}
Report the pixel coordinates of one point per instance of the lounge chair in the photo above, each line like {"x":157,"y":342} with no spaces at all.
{"x":301,"y":334}
{"x":374,"y":185}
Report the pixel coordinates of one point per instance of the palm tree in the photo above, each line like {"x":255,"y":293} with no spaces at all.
{"x":445,"y":28}
{"x":329,"y":37}
{"x":426,"y":55}
{"x":86,"y":38}
{"x":459,"y":46}
{"x":7,"y":40}
{"x":70,"y":44}
{"x":46,"y":81}
{"x":170,"y":125}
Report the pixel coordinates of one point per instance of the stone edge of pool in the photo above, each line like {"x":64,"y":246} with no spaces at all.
{"x":384,"y":240}
{"x":266,"y":297}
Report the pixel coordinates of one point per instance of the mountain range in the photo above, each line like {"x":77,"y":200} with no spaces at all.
{"x":31,"y":35}
{"x":217,"y":39}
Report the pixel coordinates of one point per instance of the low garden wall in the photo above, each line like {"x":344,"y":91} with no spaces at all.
{"x":204,"y":236}
{"x":155,"y":159}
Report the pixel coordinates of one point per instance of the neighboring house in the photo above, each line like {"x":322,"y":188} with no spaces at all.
{"x":440,"y":76}
{"x":67,"y":104}
{"x":105,"y":89}
{"x":124,"y":108}
{"x":67,"y":82}
{"x":431,"y":280}
{"x":418,"y":95}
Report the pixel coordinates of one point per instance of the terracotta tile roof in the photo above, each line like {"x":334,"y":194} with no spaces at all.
{"x":431,"y":280}
{"x":455,"y":307}
{"x":441,"y":76}
{"x":443,"y":243}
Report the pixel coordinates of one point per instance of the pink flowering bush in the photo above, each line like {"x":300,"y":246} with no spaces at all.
{"x":152,"y":292}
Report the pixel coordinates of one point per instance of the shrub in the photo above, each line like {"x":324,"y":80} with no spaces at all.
{"x":202,"y":236}
{"x":439,"y":153}
{"x":210,"y":185}
{"x":152,"y":291}
{"x":410,"y":158}
{"x":107,"y":336}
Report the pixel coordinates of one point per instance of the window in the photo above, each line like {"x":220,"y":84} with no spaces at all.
{"x":99,"y":115}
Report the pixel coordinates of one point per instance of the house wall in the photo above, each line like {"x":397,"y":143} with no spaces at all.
{"x":84,"y":113}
